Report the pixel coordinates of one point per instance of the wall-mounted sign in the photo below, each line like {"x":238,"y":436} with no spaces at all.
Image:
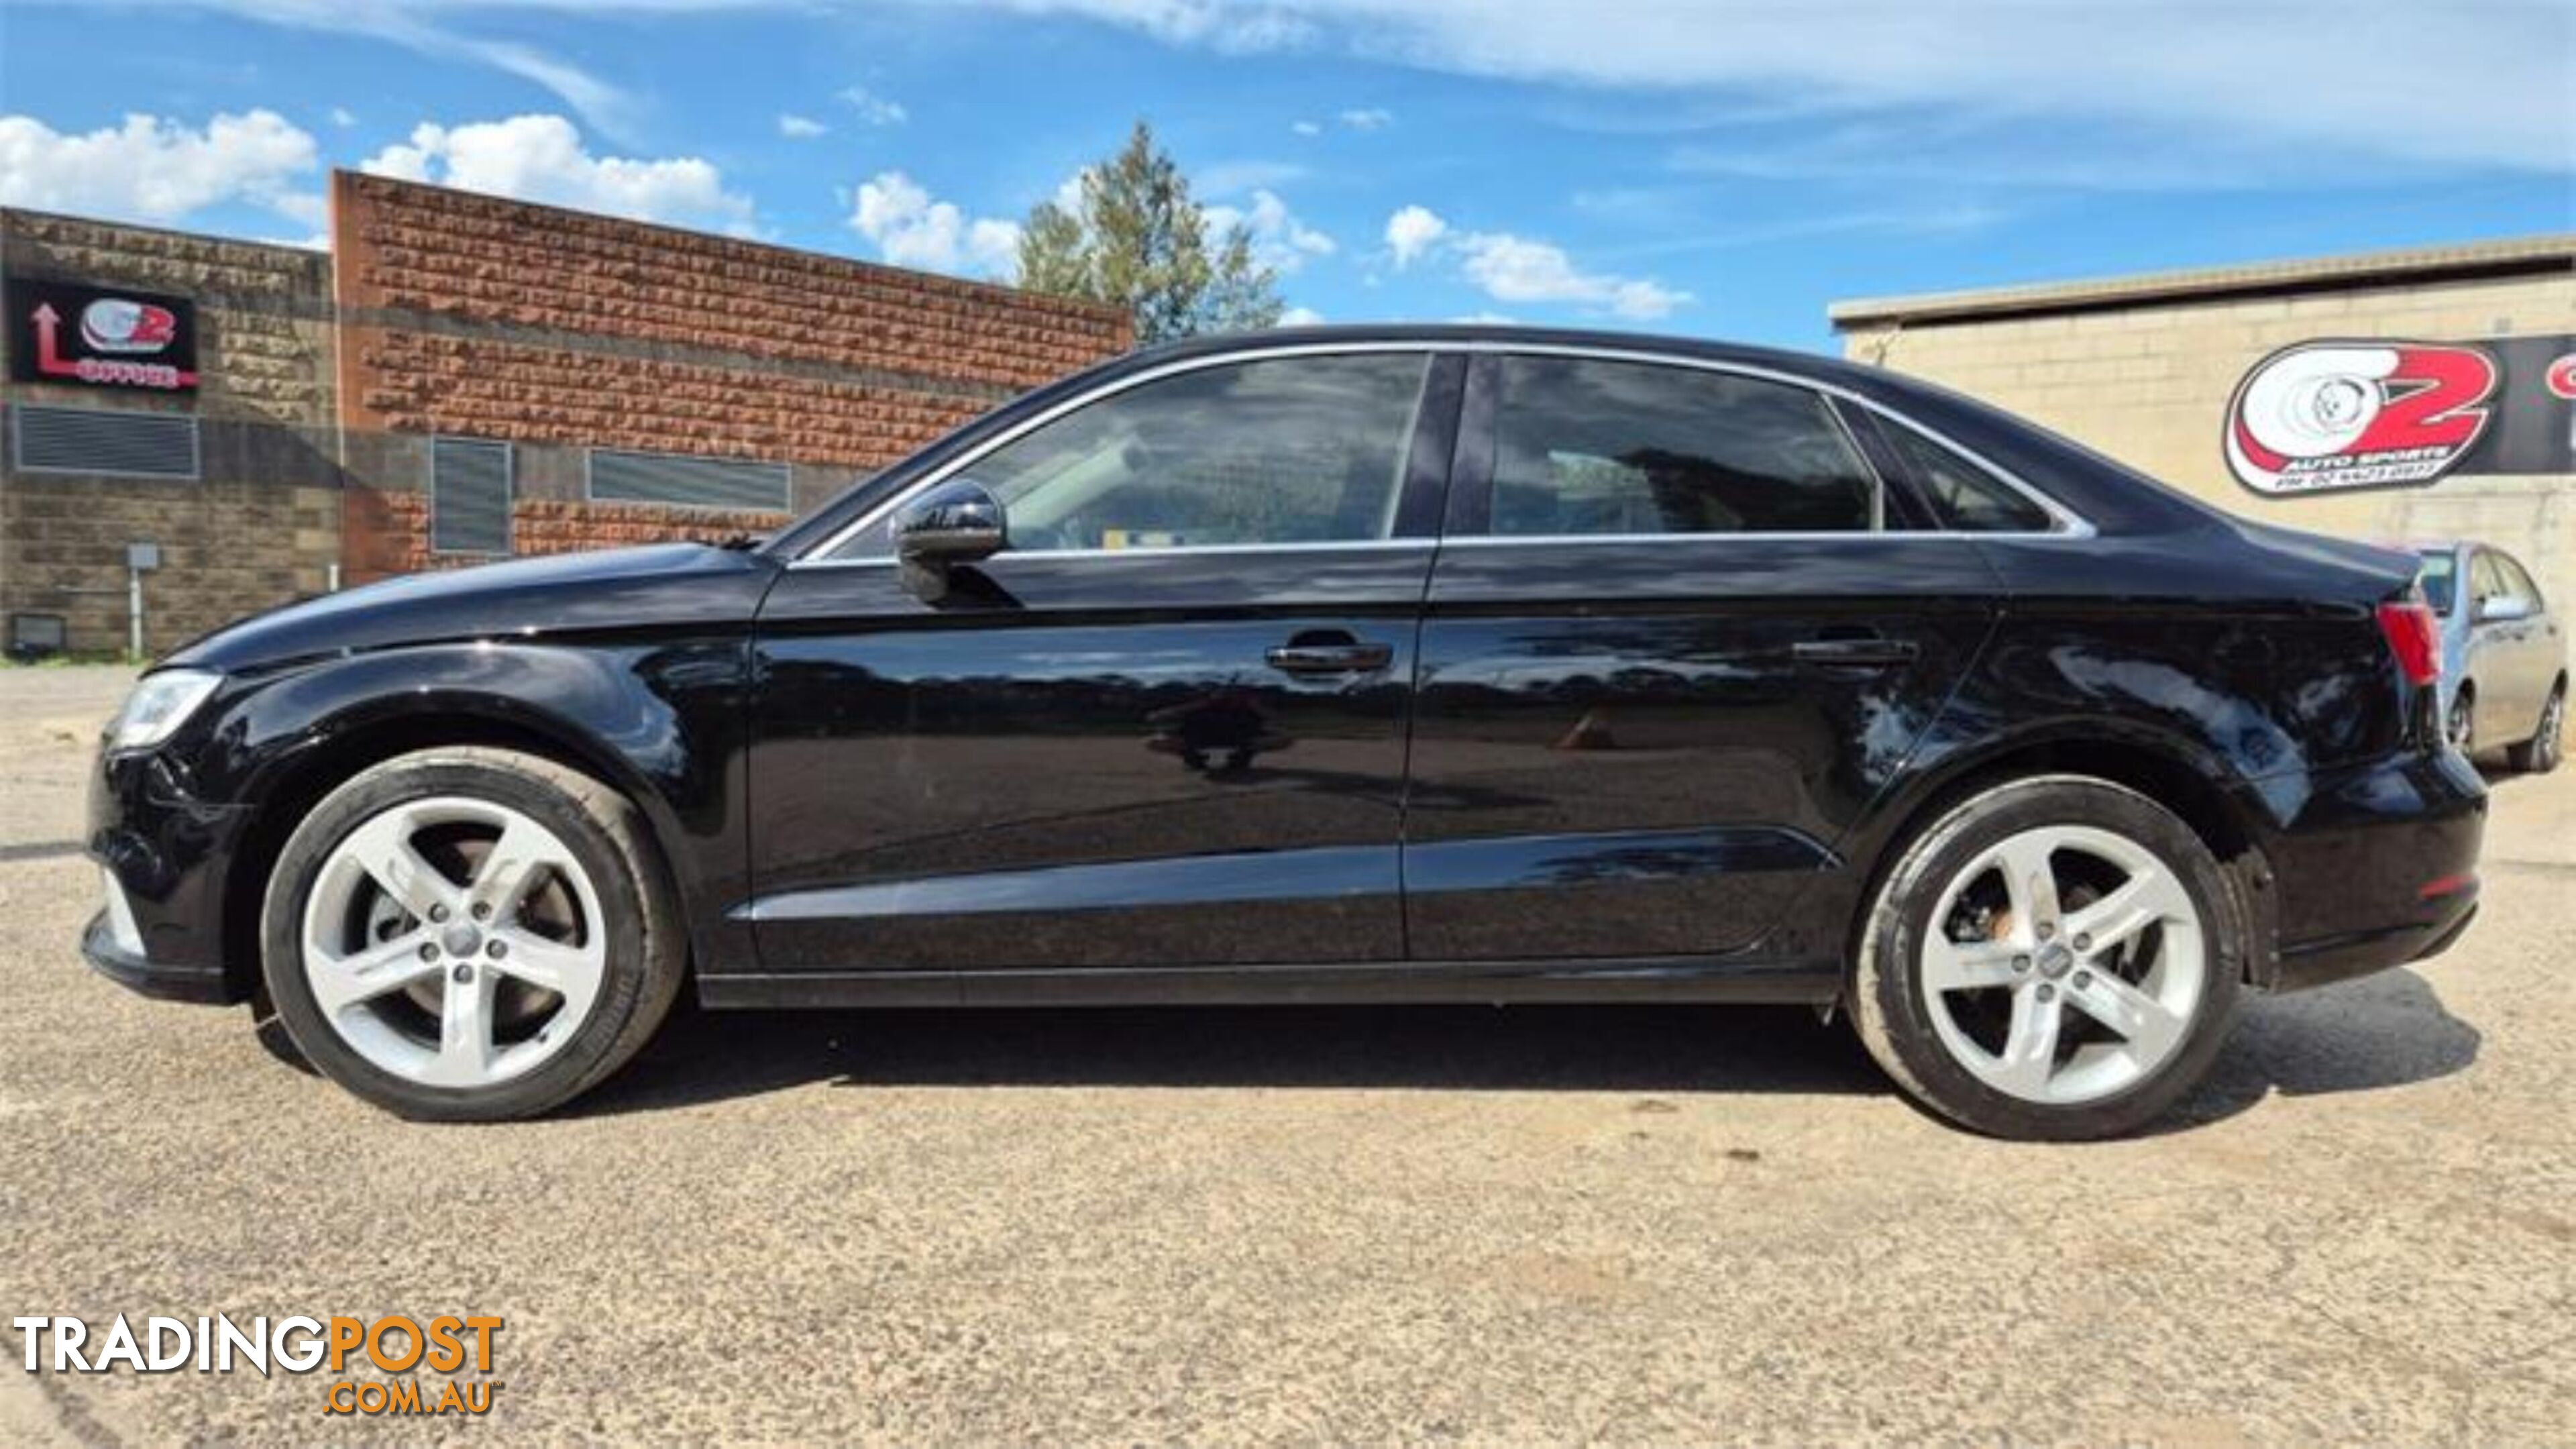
{"x":85,"y":336}
{"x":2330,"y":416}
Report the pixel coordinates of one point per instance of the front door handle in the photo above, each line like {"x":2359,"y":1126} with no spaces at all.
{"x":1859,"y":651}
{"x":1328,"y":651}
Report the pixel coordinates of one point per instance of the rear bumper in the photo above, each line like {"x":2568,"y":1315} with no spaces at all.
{"x":2378,"y":868}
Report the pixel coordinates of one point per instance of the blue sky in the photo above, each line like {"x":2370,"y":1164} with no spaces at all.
{"x":1716,"y":168}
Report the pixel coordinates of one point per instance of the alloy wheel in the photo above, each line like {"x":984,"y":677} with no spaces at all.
{"x":2546,"y":744}
{"x":2460,"y":725}
{"x":2064,"y":965}
{"x":453,"y":941}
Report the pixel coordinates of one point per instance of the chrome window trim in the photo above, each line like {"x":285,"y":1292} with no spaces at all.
{"x":2070,"y":523}
{"x":1175,"y":550}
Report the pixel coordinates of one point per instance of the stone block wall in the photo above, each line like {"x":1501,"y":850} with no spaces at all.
{"x":2149,"y":384}
{"x":261,"y":524}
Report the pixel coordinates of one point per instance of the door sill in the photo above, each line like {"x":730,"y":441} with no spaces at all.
{"x":1731,"y":979}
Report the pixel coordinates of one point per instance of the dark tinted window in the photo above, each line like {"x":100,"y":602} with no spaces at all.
{"x":1964,"y":497}
{"x":1286,"y":450}
{"x":1592,"y":447}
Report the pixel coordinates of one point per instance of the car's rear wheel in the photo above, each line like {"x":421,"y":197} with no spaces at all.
{"x":2054,"y":958}
{"x":2540,"y":754}
{"x":470,"y":934}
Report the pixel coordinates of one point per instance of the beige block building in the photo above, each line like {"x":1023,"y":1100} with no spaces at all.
{"x":2144,"y":367}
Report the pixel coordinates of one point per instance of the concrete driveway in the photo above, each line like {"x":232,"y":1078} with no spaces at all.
{"x":1312,"y":1225}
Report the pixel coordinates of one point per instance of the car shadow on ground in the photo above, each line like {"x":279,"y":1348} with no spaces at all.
{"x":706,"y":1055}
{"x":2384,"y":1031}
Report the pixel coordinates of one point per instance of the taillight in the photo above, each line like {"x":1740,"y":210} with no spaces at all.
{"x":2408,"y":627}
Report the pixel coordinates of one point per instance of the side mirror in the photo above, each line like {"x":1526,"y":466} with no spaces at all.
{"x":955,"y":523}
{"x":2502,"y":609}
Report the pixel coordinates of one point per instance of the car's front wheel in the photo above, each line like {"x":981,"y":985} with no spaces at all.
{"x":2054,"y":958}
{"x":470,"y":934}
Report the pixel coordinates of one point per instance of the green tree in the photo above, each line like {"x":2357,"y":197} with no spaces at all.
{"x":1138,"y":241}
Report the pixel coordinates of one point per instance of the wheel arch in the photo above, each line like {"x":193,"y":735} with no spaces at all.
{"x":2212,"y":802}
{"x":343,"y":748}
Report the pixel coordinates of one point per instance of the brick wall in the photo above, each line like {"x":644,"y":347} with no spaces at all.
{"x":261,"y":526}
{"x":542,"y":526}
{"x":2149,"y":384}
{"x":558,"y":331}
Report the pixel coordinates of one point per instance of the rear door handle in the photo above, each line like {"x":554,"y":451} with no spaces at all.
{"x":1867,"y":651}
{"x":1342,"y":655}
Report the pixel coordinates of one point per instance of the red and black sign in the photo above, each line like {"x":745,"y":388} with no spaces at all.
{"x":85,"y":336}
{"x":2332,"y":416}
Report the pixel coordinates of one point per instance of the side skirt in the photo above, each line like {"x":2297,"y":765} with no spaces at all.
{"x":1654,"y":978}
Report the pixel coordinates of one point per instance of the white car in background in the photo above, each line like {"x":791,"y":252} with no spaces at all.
{"x":2504,"y":658}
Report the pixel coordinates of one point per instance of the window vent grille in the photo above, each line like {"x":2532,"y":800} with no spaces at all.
{"x":469,"y":496}
{"x":677,"y":480}
{"x":97,"y":440}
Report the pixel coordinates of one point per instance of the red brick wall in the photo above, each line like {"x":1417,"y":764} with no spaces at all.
{"x":507,"y":265}
{"x":400,"y":529}
{"x":428,"y":384}
{"x":477,"y":317}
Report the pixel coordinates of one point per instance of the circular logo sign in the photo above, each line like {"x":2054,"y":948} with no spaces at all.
{"x":2561,"y":377}
{"x":2324,"y":416}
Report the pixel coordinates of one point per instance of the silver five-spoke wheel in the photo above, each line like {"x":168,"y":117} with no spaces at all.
{"x":2064,"y":964}
{"x":453,"y":941}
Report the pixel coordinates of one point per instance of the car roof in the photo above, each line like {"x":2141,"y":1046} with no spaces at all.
{"x":1810,"y":365}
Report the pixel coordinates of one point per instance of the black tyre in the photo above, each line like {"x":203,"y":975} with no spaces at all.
{"x":2460,"y":726}
{"x":2540,"y":754}
{"x":2055,"y":958}
{"x":470,"y":934}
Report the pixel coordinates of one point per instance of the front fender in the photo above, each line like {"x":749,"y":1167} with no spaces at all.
{"x":662,"y":722}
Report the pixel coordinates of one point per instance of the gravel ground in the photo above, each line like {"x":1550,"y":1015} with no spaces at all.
{"x":1311,"y":1225}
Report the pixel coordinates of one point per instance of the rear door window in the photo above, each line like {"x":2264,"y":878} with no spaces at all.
{"x":1587,"y":447}
{"x":1964,"y":497}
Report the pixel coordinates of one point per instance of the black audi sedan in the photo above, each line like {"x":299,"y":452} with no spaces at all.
{"x":1340,"y":665}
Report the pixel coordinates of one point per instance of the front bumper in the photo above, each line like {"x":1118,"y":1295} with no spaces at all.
{"x":2378,"y":869}
{"x":161,"y":980}
{"x":165,"y":856}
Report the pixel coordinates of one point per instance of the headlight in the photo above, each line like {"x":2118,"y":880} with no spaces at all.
{"x":160,"y":703}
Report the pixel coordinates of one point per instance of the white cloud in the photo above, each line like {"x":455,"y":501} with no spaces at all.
{"x":543,"y":158}
{"x":2333,"y":85}
{"x":1517,"y":269}
{"x":874,"y":109}
{"x":1306,"y":128}
{"x":1367,"y":118}
{"x":343,"y":117}
{"x":1301,"y":317}
{"x":800,"y":128}
{"x":158,"y":170}
{"x":911,"y":229}
{"x":1411,"y":232}
{"x":1279,"y":240}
